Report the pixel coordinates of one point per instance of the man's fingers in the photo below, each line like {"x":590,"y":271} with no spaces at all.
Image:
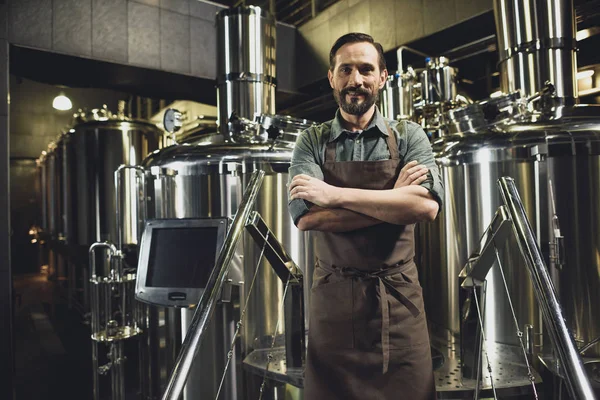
{"x":419,"y":173}
{"x":296,"y":189}
{"x":297,"y":180}
{"x":416,"y":169}
{"x":408,"y":166}
{"x":301,"y":177}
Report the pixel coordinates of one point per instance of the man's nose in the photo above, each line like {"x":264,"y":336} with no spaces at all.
{"x":355,"y":78}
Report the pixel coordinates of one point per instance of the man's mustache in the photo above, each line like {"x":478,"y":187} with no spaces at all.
{"x":355,"y":91}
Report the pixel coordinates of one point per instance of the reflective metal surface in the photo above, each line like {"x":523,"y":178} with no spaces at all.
{"x":195,"y":180}
{"x":577,"y":382}
{"x":557,"y":33}
{"x":467,"y":119}
{"x":100,"y":145}
{"x":246,"y":64}
{"x":396,"y":97}
{"x":438,"y":82}
{"x":246,"y":99}
{"x":537,"y":44}
{"x":517,"y":33}
{"x":197,"y":329}
{"x":565,"y":152}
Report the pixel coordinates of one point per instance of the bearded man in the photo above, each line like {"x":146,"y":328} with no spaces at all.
{"x":361,"y":182}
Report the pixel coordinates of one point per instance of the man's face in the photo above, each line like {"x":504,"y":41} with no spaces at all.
{"x":356,"y":78}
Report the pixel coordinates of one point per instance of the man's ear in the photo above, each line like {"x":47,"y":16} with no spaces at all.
{"x":330,"y":77}
{"x":383,"y":78}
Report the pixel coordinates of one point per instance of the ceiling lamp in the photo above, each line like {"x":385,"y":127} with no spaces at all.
{"x":62,"y":103}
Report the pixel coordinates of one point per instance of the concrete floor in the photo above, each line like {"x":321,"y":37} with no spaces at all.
{"x":52,"y":345}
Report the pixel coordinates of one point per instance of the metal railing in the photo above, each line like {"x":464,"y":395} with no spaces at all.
{"x":576,"y":379}
{"x":474,"y":274}
{"x":207,"y":303}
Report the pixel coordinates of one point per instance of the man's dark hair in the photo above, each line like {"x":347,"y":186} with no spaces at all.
{"x":356,"y":37}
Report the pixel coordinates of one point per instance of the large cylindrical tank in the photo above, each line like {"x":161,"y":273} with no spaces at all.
{"x":564,"y":154}
{"x":208,"y":181}
{"x":536,"y":43}
{"x":246,"y":64}
{"x":100,"y":142}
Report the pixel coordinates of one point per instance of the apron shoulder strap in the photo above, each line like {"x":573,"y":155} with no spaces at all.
{"x":330,"y":151}
{"x":392,"y":143}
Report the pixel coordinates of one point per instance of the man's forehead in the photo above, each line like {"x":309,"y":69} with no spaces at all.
{"x":361,"y":52}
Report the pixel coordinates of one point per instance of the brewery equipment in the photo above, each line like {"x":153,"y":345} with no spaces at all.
{"x":204,"y":177}
{"x":246,"y":64}
{"x":532,"y":134}
{"x":397,"y":96}
{"x":101,"y":141}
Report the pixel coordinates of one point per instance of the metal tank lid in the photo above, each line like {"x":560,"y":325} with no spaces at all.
{"x":188,"y":154}
{"x":105,"y":116}
{"x":513,"y":140}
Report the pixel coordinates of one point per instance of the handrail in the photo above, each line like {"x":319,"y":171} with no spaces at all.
{"x":578,"y":384}
{"x":208,"y":300}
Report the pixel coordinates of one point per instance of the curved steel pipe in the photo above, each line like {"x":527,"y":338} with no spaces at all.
{"x":208,"y":301}
{"x":576,"y":379}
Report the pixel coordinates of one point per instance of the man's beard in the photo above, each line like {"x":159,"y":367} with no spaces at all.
{"x":354,"y":107}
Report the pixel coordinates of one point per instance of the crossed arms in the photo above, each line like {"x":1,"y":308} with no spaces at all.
{"x":338,"y":209}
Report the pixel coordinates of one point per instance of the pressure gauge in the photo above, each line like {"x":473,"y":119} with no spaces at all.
{"x":172,"y":120}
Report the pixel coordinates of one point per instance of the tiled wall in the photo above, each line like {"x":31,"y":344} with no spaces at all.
{"x":391,"y":22}
{"x":172,"y":35}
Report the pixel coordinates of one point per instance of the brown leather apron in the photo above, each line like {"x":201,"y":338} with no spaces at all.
{"x":368,"y":336}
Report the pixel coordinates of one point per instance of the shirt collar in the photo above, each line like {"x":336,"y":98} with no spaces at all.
{"x":377,"y":121}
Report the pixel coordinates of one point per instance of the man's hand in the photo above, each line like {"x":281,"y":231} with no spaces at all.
{"x":314,"y":190}
{"x":411,"y":174}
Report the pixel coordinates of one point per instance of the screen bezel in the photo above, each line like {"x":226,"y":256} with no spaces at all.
{"x":160,"y":295}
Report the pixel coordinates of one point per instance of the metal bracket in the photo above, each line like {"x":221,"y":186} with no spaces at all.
{"x":482,"y":260}
{"x":287,"y":270}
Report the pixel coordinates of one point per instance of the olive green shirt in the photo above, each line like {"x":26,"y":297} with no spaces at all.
{"x":367,"y":145}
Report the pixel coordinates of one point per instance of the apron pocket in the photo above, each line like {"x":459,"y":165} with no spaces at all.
{"x":407,"y":330}
{"x":331,"y":315}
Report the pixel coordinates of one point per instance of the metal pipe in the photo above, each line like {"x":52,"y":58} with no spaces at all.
{"x":208,"y":300}
{"x":141,"y":209}
{"x":576,"y":379}
{"x":400,"y":58}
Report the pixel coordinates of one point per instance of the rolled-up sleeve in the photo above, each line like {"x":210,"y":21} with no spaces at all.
{"x":304,"y":161}
{"x":419,"y":149}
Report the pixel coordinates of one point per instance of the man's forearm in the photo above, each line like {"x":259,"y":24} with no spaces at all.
{"x":334,"y":220}
{"x":403,"y":206}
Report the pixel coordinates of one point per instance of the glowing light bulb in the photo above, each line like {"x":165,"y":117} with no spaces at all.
{"x":62,"y":103}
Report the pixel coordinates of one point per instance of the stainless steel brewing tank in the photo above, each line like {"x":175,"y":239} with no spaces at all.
{"x":565,"y":152}
{"x":207,"y":180}
{"x":100,"y":143}
{"x":396,"y":97}
{"x":438,"y":82}
{"x":246,"y":63}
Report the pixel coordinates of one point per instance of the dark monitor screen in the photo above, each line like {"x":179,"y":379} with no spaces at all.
{"x":177,"y":257}
{"x":181,"y":257}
